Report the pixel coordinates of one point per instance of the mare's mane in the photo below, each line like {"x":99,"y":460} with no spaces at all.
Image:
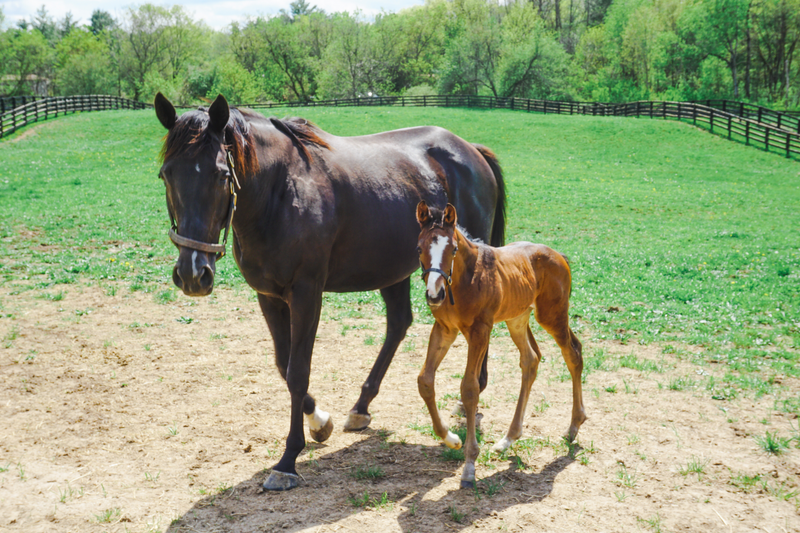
{"x":191,"y":135}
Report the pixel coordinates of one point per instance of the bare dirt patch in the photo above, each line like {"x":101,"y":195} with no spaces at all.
{"x":123,"y":414}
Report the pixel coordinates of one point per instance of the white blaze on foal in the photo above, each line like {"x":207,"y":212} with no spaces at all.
{"x":437,"y":253}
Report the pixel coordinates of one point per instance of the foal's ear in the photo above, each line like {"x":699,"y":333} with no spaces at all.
{"x":219,"y":113}
{"x":165,"y":111}
{"x":449,"y":217}
{"x":423,"y":214}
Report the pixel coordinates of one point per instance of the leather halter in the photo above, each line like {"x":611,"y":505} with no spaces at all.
{"x":219,"y":249}
{"x":448,"y":278}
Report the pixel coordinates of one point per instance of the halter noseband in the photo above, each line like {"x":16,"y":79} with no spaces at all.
{"x":448,"y":278}
{"x":219,"y":249}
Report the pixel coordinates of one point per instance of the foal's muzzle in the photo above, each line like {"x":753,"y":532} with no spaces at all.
{"x":194,"y":272}
{"x":435,"y":303}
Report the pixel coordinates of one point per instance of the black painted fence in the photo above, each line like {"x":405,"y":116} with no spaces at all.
{"x":754,"y":125}
{"x":36,"y":109}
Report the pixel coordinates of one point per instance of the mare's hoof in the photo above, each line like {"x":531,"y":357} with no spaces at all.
{"x":322,"y":434}
{"x":467,"y":484}
{"x":356,"y":421}
{"x":281,"y":481}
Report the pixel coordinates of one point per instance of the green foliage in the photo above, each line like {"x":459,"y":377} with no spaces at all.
{"x":83,"y":64}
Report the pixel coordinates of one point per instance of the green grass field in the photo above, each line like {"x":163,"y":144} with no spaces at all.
{"x":675,"y":236}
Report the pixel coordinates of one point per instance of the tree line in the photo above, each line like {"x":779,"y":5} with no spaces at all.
{"x":591,"y":50}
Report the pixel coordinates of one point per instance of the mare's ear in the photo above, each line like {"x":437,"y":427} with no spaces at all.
{"x":218,"y":114}
{"x":423,"y":214}
{"x":165,"y":111}
{"x":449,"y":215}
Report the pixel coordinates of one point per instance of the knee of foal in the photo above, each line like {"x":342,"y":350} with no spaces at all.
{"x":425,"y":386}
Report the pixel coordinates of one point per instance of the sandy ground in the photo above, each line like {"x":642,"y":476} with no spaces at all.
{"x":122,"y":414}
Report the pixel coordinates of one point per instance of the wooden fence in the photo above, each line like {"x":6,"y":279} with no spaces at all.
{"x":36,"y":109}
{"x":754,"y":125}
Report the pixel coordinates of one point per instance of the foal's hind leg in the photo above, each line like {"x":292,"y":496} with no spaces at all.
{"x":572,"y":351}
{"x":276,"y":313}
{"x":398,"y":320}
{"x":529,"y":357}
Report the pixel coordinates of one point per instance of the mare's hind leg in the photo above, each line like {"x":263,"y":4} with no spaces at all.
{"x":440,"y":341}
{"x":398,"y":320}
{"x":529,"y":357}
{"x":276,"y":313}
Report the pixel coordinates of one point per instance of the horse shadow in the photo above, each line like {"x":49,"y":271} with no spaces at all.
{"x":372,"y":474}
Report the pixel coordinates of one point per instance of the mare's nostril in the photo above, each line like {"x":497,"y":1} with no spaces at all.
{"x":176,"y":278}
{"x":207,"y":278}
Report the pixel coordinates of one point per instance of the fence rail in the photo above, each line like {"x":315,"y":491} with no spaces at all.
{"x":36,"y":109}
{"x":753,"y":125}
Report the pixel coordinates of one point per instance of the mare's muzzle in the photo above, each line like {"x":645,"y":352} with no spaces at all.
{"x":194,"y":272}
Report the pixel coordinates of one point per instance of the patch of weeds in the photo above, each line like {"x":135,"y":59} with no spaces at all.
{"x":151,"y":478}
{"x":621,"y":496}
{"x":611,"y":388}
{"x":21,"y":471}
{"x":542,"y":406}
{"x":10,"y":337}
{"x":696,"y":465}
{"x":69,"y":493}
{"x":108,"y":516}
{"x":680,"y":383}
{"x":4,"y":469}
{"x":491,"y":487}
{"x":57,"y":297}
{"x":455,"y":514}
{"x":370,"y":472}
{"x":217,"y":336}
{"x":449,"y":454}
{"x":425,"y":429}
{"x":366,"y":502}
{"x":173,"y":429}
{"x":634,"y":439}
{"x":164,"y":297}
{"x":773,"y":443}
{"x":625,"y":478}
{"x":642,"y":365}
{"x":409,"y":346}
{"x":630,"y":388}
{"x":369,"y":340}
{"x":652,"y":523}
{"x":184,"y":320}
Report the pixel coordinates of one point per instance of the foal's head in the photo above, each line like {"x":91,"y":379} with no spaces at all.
{"x":436,"y":248}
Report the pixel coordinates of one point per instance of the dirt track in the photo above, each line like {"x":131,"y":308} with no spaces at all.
{"x":122,"y":414}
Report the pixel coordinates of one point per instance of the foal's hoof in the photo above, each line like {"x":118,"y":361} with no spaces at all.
{"x":281,"y":481}
{"x":356,"y":421}
{"x":458,"y":410}
{"x":501,"y":446}
{"x":467,"y":484}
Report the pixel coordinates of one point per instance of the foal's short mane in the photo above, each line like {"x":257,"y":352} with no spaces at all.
{"x":437,"y":221}
{"x":191,"y":135}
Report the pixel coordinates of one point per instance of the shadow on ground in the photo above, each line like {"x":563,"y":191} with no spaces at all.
{"x":412,"y":491}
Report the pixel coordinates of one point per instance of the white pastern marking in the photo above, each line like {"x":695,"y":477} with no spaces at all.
{"x":317,"y":419}
{"x":452,"y":441}
{"x":437,"y":253}
{"x":503,"y":445}
{"x":197,"y":167}
{"x":194,"y":264}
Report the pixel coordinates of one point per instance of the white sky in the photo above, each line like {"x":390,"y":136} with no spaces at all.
{"x":215,"y":13}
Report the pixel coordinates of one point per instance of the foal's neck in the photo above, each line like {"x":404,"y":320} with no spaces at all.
{"x":466,"y":257}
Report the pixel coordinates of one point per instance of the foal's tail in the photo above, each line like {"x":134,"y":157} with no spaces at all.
{"x":498,"y":237}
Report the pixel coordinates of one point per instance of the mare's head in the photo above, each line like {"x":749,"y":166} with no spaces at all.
{"x":437,"y":249}
{"x":200,"y":149}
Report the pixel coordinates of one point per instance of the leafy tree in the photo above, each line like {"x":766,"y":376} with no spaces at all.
{"x":45,"y":24}
{"x":29,"y":61}
{"x":83,"y":64}
{"x":102,"y":21}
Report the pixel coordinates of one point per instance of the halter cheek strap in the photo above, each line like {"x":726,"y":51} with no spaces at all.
{"x":218,"y":249}
{"x":448,"y":278}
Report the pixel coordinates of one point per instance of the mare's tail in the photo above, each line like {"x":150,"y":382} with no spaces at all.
{"x":498,"y":237}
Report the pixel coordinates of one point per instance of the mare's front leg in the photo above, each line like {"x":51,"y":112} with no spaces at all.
{"x":478,"y":340}
{"x":440,"y":341}
{"x":276,"y":313}
{"x":398,"y":319}
{"x":305,"y":302}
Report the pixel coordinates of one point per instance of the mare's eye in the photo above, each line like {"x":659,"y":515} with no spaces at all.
{"x":419,"y":250}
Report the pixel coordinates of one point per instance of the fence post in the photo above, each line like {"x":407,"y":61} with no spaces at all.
{"x":779,"y":120}
{"x":651,"y":109}
{"x":788,"y":140}
{"x":747,"y":133}
{"x":766,"y":139}
{"x":711,"y":119}
{"x":424,"y":100}
{"x":759,"y":113}
{"x":729,"y":127}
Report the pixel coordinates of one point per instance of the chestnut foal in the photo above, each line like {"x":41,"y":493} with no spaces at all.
{"x":472,"y":286}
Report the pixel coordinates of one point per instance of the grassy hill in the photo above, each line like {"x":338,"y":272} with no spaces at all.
{"x":675,"y":236}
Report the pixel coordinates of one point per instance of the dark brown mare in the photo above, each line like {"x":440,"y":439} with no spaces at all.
{"x":315,"y":213}
{"x":470,"y":288}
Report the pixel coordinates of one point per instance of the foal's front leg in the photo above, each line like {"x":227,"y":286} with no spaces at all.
{"x":441,"y":339}
{"x":478,"y":340}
